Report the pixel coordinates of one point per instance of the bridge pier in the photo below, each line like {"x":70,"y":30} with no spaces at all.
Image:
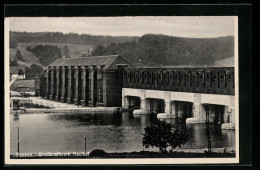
{"x":167,"y":107}
{"x":173,"y":109}
{"x":184,"y":105}
{"x":167,"y":113}
{"x":143,"y":107}
{"x":143,"y":101}
{"x":125,"y":102}
{"x":47,"y":74}
{"x":53,"y":83}
{"x":64,"y":89}
{"x":229,"y":118}
{"x":70,"y":84}
{"x":198,"y":114}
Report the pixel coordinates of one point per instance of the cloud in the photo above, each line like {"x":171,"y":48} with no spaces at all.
{"x":181,"y":26}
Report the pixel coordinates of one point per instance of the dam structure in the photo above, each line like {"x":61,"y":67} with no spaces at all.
{"x":190,"y":93}
{"x":88,"y":81}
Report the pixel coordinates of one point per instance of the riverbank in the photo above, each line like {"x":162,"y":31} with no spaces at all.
{"x":68,"y":110}
{"x":49,"y":106}
{"x":96,"y":154}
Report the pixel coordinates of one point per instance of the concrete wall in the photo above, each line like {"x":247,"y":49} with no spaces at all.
{"x":217,"y":80}
{"x":175,"y":104}
{"x":68,"y":84}
{"x":110,"y":88}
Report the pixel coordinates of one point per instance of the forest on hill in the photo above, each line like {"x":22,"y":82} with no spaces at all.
{"x":74,"y":38}
{"x":162,"y":50}
{"x":149,"y":50}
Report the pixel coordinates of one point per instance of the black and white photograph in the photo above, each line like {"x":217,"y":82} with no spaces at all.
{"x":121,"y":90}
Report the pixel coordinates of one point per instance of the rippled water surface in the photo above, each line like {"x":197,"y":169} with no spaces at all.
{"x":64,"y":132}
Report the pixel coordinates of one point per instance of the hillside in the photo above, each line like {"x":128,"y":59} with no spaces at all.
{"x":162,"y":50}
{"x":72,"y":38}
{"x":75,"y":50}
{"x":149,"y":50}
{"x":78,"y":45}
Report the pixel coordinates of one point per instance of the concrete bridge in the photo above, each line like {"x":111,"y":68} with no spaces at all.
{"x":109,"y":81}
{"x":188,"y":93}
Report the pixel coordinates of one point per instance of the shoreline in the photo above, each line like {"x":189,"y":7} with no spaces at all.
{"x":98,"y":153}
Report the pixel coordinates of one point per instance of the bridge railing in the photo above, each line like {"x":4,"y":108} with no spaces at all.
{"x":213,"y":80}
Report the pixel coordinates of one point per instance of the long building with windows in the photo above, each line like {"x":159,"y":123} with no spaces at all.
{"x":111,"y":81}
{"x":88,"y":81}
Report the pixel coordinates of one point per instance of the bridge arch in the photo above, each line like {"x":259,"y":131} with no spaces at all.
{"x":184,"y":105}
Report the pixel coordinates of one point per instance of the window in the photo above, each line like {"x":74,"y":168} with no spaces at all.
{"x":100,"y":90}
{"x":159,"y":80}
{"x":153,"y":78}
{"x":197,"y":81}
{"x":166,"y":78}
{"x":136,"y":77}
{"x":148,"y":77}
{"x":90,"y":91}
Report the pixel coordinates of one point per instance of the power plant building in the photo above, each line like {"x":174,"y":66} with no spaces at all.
{"x":87,"y":81}
{"x":111,"y":81}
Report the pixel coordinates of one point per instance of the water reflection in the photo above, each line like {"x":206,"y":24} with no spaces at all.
{"x":15,"y":115}
{"x":32,"y":105}
{"x":84,"y":119}
{"x":65,"y":132}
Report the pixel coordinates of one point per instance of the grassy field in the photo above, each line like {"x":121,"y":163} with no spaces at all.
{"x":29,"y":57}
{"x":75,"y":49}
{"x":14,"y":70}
{"x":23,"y":83}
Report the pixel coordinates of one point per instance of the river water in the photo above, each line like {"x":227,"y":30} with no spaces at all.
{"x":65,"y":132}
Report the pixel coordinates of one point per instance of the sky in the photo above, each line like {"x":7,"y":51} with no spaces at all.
{"x":179,"y":26}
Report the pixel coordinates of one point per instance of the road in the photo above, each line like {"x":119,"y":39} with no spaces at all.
{"x":12,"y":81}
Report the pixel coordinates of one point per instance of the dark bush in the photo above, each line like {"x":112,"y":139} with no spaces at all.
{"x":12,"y":43}
{"x":29,"y":48}
{"x":163,"y":135}
{"x":13,"y":62}
{"x":20,"y":72}
{"x":97,"y":152}
{"x":46,"y":53}
{"x":33,"y":71}
{"x":19,"y":56}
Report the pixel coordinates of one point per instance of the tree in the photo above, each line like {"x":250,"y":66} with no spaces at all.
{"x":13,"y":43}
{"x":20,"y":72}
{"x":13,"y":62}
{"x":99,"y":50}
{"x":19,"y":55}
{"x":162,"y":135}
{"x":33,"y":71}
{"x":29,"y":48}
{"x":47,"y":53}
{"x":66,"y":51}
